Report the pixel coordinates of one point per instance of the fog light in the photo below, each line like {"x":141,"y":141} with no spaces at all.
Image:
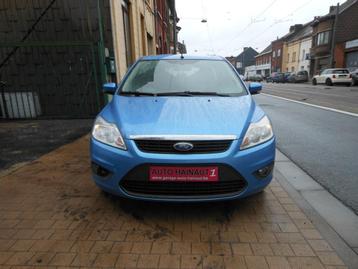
{"x":100,"y":171}
{"x":264,"y":171}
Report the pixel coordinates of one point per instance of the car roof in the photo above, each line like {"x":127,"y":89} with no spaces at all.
{"x":181,"y":57}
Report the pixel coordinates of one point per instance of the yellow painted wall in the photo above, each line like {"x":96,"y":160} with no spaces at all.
{"x":291,"y":63}
{"x":139,"y":41}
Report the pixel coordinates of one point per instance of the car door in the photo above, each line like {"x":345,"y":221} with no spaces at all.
{"x":322,"y":77}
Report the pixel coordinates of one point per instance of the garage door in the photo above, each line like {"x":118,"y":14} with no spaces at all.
{"x":352,"y":60}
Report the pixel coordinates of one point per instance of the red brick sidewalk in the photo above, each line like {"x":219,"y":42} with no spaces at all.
{"x":53,"y":216}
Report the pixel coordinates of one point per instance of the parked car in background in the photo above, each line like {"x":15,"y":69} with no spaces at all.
{"x":269,"y":78}
{"x":286,"y":76}
{"x":355,"y":77}
{"x":182,"y":128}
{"x":333,"y":76}
{"x":255,"y":78}
{"x":277,"y":77}
{"x":300,"y":76}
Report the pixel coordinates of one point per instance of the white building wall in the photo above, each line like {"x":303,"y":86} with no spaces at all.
{"x":250,"y":70}
{"x":304,"y":62}
{"x":261,"y":69}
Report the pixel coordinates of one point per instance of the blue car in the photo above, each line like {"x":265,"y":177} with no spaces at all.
{"x":182,"y":129}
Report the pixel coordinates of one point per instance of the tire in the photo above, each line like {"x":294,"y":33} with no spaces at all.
{"x":348,"y":84}
{"x":329,"y":82}
{"x":314,"y":82}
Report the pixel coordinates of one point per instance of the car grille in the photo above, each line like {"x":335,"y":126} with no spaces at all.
{"x":167,"y":146}
{"x":136,"y":183}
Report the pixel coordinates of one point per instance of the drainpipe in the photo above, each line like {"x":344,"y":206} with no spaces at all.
{"x":175,"y":28}
{"x":333,"y":40}
{"x":101,"y":48}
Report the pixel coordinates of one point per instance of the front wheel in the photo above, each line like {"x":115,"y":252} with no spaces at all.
{"x":314,"y":81}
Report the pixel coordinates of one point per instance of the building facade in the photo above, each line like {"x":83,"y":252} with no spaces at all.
{"x":298,"y":45}
{"x":321,"y":44}
{"x":346,"y":39}
{"x":304,"y":56}
{"x":276,"y":55}
{"x":263,"y":62}
{"x":165,"y":24}
{"x":133,"y":24}
{"x":290,"y":49}
{"x":341,"y":41}
{"x":244,"y":59}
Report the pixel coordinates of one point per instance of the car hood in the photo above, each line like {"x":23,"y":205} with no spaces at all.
{"x":181,"y":115}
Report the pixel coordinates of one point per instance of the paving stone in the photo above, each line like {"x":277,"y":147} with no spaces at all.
{"x":277,"y":263}
{"x":255,"y":262}
{"x":191,"y":261}
{"x":106,"y":260}
{"x":241,"y":249}
{"x":305,"y":263}
{"x":63,"y":259}
{"x":169,"y":261}
{"x":148,"y":261}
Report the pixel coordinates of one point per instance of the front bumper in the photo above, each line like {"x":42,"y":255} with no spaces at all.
{"x":119,"y":163}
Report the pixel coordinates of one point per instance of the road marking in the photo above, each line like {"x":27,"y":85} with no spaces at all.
{"x":312,"y":105}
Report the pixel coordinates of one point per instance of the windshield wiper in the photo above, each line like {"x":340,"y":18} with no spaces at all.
{"x":174,"y":94}
{"x":191,"y":93}
{"x":138,"y":93}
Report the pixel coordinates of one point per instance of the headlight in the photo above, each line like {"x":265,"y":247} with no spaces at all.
{"x":108,"y":133}
{"x":258,"y":132}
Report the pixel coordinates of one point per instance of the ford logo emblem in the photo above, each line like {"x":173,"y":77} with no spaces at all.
{"x":183,"y":146}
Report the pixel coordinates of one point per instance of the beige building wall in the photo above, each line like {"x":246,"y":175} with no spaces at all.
{"x":284,"y":57}
{"x":292,"y":56}
{"x":142,"y":31}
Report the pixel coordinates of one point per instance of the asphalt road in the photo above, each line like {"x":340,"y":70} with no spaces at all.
{"x":337,"y":97}
{"x":323,"y":143}
{"x":23,"y":141}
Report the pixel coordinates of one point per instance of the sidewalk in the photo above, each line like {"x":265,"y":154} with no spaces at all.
{"x":53,"y":216}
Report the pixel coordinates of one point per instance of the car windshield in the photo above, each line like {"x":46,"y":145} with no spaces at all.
{"x":200,"y":77}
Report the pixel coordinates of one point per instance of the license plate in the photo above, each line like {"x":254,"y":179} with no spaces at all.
{"x":184,"y":174}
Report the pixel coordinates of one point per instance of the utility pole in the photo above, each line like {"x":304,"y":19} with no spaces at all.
{"x":333,"y":39}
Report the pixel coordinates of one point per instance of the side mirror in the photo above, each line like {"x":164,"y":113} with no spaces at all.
{"x":110,"y":88}
{"x":255,"y":87}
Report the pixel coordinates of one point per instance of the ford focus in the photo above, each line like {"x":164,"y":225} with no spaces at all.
{"x":182,"y":128}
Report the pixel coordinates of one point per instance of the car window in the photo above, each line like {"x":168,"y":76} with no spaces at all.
{"x":340,"y":71}
{"x":163,"y":76}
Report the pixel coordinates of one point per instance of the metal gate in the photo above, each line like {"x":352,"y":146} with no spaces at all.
{"x":53,"y":80}
{"x":52,"y":59}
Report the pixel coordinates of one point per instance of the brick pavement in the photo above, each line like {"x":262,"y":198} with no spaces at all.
{"x":53,"y":216}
